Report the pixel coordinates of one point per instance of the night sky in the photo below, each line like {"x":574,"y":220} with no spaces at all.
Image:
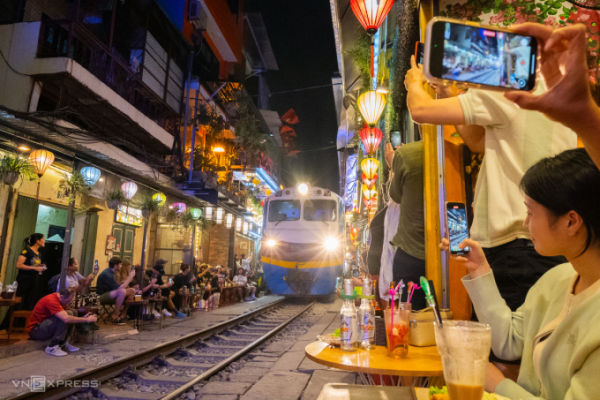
{"x":302,"y":39}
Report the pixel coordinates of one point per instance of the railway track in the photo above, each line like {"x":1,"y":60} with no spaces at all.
{"x":171,"y":369}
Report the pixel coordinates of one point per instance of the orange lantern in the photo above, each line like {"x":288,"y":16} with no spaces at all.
{"x":370,"y":137}
{"x":41,"y":160}
{"x":369,"y":193}
{"x":369,"y":167}
{"x":370,"y":105}
{"x":369,"y":182}
{"x":353,"y":233}
{"x":371,"y":13}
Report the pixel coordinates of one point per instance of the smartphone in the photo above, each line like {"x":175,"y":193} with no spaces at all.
{"x":479,"y":56}
{"x":419,"y":52}
{"x":96,"y":267}
{"x":457,"y":227}
{"x":395,"y":139}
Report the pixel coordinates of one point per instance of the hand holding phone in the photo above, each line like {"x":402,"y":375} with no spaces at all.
{"x":479,"y":56}
{"x":457,"y":227}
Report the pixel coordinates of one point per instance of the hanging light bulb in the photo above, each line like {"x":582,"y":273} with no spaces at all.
{"x":196,"y":213}
{"x":159,"y":198}
{"x":90,"y":175}
{"x":371,"y":105}
{"x":371,"y":13}
{"x":41,"y":160}
{"x":179,"y":207}
{"x":369,"y":166}
{"x":370,"y":137}
{"x":129,"y":189}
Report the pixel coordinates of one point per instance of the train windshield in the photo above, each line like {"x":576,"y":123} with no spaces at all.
{"x":284,"y":210}
{"x":320,"y":210}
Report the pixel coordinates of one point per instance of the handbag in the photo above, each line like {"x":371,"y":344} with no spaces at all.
{"x":421,"y":326}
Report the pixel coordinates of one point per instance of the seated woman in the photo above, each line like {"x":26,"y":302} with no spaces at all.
{"x":552,"y":332}
{"x":242,"y":281}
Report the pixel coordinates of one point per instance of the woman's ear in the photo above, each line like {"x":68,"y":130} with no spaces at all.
{"x":574,"y":222}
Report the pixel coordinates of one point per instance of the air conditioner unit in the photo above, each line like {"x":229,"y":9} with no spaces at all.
{"x":195,"y":9}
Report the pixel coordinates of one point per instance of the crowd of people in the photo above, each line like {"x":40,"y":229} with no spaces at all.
{"x":535,"y":247}
{"x":119,"y":289}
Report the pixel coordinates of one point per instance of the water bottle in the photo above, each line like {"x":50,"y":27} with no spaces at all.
{"x":366,"y":317}
{"x":348,"y":319}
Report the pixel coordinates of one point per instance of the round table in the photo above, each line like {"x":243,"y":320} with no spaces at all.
{"x":420,"y":367}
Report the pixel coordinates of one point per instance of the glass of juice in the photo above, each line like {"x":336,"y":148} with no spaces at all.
{"x":465,"y":349}
{"x":396,"y":329}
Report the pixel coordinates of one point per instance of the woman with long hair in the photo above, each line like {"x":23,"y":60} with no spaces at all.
{"x":553,"y":331}
{"x":29,"y":266}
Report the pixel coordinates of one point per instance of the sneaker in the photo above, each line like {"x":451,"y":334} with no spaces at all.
{"x":180,"y":315}
{"x":56,"y":351}
{"x":70,"y":348}
{"x":166,"y":313}
{"x":156,"y":314}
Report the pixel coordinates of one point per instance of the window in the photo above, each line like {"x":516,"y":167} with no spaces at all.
{"x":320,"y":210}
{"x":284,"y":210}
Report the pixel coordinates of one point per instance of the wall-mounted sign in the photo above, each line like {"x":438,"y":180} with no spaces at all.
{"x":129,"y":215}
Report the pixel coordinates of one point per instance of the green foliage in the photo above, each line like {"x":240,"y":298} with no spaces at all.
{"x":361,"y":58}
{"x":186,"y":219}
{"x":150,"y":205}
{"x":11,"y":163}
{"x":251,"y":140}
{"x":73,"y":186}
{"x":212,"y":119}
{"x":114,"y":198}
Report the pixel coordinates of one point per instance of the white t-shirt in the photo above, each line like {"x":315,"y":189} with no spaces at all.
{"x":515,"y":139}
{"x":240,"y":280}
{"x":72,"y":281}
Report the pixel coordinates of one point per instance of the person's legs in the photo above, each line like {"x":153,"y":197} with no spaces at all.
{"x":52,"y":328}
{"x":118,"y":295}
{"x":516,"y":267}
{"x":409,"y":268}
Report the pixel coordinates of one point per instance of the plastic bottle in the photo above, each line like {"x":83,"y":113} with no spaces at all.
{"x":366,"y":317}
{"x":349,"y":319}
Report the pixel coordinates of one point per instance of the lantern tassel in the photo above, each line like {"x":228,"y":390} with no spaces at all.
{"x":372,"y":58}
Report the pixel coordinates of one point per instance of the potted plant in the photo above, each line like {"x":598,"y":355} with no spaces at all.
{"x":12,"y":167}
{"x":149,"y":205}
{"x":72,"y":186}
{"x":114,"y":198}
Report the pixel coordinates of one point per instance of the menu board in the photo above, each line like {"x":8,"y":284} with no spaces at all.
{"x":129,"y":216}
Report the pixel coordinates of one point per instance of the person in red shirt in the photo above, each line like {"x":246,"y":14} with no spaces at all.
{"x":49,"y":320}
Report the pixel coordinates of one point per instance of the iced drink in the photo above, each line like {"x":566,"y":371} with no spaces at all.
{"x":465,"y":348}
{"x":396,"y":329}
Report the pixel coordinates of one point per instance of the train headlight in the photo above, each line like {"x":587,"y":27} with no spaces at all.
{"x":270,"y":243}
{"x":331,"y":243}
{"x":302,"y":189}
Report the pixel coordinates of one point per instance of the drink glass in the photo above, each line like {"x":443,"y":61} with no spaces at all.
{"x":465,"y":348}
{"x":396,"y":329}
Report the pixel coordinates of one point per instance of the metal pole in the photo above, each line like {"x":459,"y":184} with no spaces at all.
{"x":193,"y":144}
{"x":143,"y":261}
{"x":64,"y":263}
{"x":187,"y":102}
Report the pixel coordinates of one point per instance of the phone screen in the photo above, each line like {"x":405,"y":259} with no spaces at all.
{"x":457,"y":227}
{"x":483,"y":56}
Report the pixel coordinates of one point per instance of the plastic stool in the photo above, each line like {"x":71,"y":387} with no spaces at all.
{"x":20,"y":314}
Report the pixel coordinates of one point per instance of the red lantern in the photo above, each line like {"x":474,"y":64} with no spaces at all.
{"x":371,"y":13}
{"x":371,"y":137}
{"x":353,"y":233}
{"x":369,"y":182}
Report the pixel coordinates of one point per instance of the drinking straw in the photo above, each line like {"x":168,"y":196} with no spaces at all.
{"x":399,"y":286}
{"x":431,"y":300}
{"x":412,"y":291}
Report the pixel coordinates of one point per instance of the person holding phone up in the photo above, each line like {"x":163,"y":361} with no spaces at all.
{"x":512,"y":139}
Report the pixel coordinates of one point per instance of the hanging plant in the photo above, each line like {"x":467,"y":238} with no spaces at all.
{"x":72,"y":186}
{"x":114,"y":198}
{"x":149,"y":206}
{"x":13,"y":167}
{"x":186,"y":219}
{"x":360,"y":54}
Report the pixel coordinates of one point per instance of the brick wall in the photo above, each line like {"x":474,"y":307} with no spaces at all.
{"x":215,"y":245}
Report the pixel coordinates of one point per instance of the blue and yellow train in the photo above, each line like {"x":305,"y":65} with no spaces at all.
{"x":302,"y":251}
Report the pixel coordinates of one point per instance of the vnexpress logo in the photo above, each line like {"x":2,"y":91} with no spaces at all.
{"x":37,"y":384}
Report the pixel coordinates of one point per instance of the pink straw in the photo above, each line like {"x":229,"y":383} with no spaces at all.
{"x":414,"y":286}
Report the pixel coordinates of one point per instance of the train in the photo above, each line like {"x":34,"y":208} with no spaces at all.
{"x":303,"y":242}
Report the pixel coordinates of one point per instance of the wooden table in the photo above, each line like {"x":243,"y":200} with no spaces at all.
{"x":344,"y":391}
{"x":10,"y":303}
{"x":421,"y":367}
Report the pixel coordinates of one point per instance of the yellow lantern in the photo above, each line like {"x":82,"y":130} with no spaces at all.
{"x":369,"y":166}
{"x":255,"y":181}
{"x":369,"y":193}
{"x":371,"y":105}
{"x":41,"y":160}
{"x":268,"y":192}
{"x":159,"y":198}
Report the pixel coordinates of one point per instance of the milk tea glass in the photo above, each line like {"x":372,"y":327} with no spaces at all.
{"x":465,"y":348}
{"x":396,"y":329}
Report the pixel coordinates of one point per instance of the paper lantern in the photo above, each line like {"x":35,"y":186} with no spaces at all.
{"x":159,"y":198}
{"x":90,"y":175}
{"x":371,"y":13}
{"x":371,"y":105}
{"x":179,"y":207}
{"x":228,"y":220}
{"x":268,"y":192}
{"x":369,"y":166}
{"x":353,"y":233}
{"x":370,"y":137}
{"x":255,"y":181}
{"x":369,"y":193}
{"x":196,"y":213}
{"x":41,"y":160}
{"x":129,"y":189}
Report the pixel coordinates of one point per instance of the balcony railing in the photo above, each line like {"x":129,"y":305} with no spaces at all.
{"x":66,"y":38}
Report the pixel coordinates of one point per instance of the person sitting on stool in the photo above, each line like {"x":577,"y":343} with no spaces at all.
{"x":111,"y":292}
{"x":242,"y":281}
{"x":49,"y":320}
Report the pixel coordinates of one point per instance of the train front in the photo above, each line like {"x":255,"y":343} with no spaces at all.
{"x":302,"y":250}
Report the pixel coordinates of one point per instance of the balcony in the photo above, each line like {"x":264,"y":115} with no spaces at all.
{"x":101,"y":86}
